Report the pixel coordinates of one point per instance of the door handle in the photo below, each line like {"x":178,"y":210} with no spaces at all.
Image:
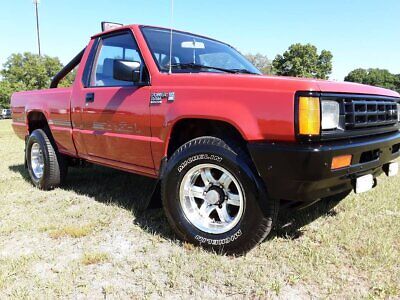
{"x":89,"y":98}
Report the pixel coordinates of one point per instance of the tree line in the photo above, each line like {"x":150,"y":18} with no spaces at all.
{"x":29,"y":71}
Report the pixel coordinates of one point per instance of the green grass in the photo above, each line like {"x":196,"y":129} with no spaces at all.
{"x":87,"y":239}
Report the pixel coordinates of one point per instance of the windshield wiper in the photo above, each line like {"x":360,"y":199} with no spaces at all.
{"x":198,"y":66}
{"x":244,"y":71}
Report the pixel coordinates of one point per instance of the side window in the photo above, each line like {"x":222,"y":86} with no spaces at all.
{"x":121,"y":46}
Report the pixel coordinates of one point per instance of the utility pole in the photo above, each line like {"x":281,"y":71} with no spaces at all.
{"x":36,"y":2}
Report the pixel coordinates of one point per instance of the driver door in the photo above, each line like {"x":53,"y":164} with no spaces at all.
{"x":115,"y":115}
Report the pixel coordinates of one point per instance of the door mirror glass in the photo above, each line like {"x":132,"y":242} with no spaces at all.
{"x":126,"y":70}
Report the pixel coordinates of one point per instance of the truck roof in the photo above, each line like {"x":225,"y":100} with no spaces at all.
{"x":132,"y":26}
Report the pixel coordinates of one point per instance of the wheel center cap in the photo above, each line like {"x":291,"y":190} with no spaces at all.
{"x":213,"y":197}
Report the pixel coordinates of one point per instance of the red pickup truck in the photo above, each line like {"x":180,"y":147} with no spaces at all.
{"x":226,"y":143}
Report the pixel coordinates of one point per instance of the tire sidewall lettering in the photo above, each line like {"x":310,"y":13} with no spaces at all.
{"x":219,"y":242}
{"x":198,"y":157}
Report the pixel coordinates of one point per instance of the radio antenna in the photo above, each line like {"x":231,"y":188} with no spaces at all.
{"x":170,"y":41}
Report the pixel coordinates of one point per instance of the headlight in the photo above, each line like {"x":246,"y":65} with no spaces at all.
{"x":330,"y":114}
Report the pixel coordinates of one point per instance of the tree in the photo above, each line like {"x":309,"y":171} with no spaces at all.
{"x":261,"y":62}
{"x":376,"y":77}
{"x":303,"y":61}
{"x":33,"y":71}
{"x":5,"y":94}
{"x":398,"y":82}
{"x":28,"y":71}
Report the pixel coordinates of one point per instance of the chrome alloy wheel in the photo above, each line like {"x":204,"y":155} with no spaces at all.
{"x":211,"y":198}
{"x":37,"y":160}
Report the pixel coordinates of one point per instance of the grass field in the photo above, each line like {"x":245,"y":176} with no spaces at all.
{"x":87,"y":240}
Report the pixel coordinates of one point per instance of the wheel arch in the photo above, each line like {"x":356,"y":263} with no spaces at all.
{"x":36,"y":119}
{"x":188,"y":128}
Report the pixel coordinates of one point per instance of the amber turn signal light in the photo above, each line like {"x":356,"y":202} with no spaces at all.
{"x":309,"y":116}
{"x":341,"y":161}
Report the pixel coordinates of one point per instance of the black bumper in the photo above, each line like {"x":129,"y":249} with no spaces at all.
{"x":302,"y":172}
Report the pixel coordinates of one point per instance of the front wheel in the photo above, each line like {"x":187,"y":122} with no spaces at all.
{"x":47,"y":168}
{"x":212,"y":197}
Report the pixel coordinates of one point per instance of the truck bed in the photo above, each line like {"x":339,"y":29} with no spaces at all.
{"x":54,"y":104}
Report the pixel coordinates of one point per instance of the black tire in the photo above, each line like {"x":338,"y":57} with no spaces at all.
{"x":259,"y":211}
{"x":55,"y":164}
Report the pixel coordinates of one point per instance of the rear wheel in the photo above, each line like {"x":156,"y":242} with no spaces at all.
{"x":213,"y":198}
{"x":47,"y":168}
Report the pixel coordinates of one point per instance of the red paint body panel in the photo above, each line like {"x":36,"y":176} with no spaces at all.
{"x":122,"y":130}
{"x":116,"y":125}
{"x":54,"y":104}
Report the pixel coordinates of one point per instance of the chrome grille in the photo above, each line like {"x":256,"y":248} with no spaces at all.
{"x":369,"y":113}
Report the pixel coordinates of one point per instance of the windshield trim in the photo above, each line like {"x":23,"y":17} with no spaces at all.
{"x":161,"y":70}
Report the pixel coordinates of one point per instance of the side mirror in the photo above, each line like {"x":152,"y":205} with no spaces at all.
{"x":126,"y":70}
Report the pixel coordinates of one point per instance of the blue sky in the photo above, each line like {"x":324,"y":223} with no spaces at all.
{"x":360,"y":33}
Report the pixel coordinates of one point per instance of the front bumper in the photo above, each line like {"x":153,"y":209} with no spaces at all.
{"x":302,"y":172}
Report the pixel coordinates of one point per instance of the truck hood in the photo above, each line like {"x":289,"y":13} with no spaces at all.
{"x":328,"y":86}
{"x":353,"y":88}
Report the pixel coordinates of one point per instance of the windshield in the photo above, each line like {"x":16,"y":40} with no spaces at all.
{"x":192,"y":53}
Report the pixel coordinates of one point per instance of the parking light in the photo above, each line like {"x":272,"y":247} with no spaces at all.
{"x":309,"y":116}
{"x":341,"y":161}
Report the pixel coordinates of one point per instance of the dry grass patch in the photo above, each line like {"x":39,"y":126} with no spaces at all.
{"x":74,"y":231}
{"x":188,"y":246}
{"x":95,"y":258}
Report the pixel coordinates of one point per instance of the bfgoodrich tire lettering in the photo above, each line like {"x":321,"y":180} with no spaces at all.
{"x":54,"y":164}
{"x":258,"y":213}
